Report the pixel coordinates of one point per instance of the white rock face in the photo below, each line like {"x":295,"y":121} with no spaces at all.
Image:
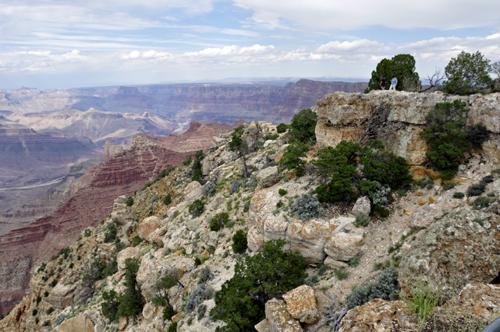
{"x":362,"y":205}
{"x":279,"y":319}
{"x":344,"y":246}
{"x":268,"y":176}
{"x":130,"y":252}
{"x":192,"y":192}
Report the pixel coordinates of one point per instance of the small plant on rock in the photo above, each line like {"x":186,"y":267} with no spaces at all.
{"x":362,"y":220}
{"x":476,"y":189}
{"x":129,"y":201}
{"x":281,"y":128}
{"x":167,"y":200}
{"x":218,"y":221}
{"x":197,"y":208}
{"x":240,"y":243}
{"x":307,"y":207}
{"x":208,"y":189}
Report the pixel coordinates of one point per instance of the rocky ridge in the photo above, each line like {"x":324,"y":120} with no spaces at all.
{"x":430,"y":236}
{"x":124,"y":171}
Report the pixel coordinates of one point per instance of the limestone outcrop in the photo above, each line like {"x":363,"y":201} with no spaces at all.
{"x":345,"y":116}
{"x":460,"y":248}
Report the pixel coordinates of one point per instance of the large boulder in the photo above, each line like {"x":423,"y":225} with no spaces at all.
{"x":255,"y":239}
{"x":279,"y":319}
{"x":362,"y":205}
{"x":79,"y":323}
{"x":301,"y":304}
{"x":344,"y":245}
{"x":309,"y":238}
{"x":192,"y":192}
{"x":268,"y":176}
{"x":460,"y":248}
{"x":62,"y":294}
{"x":380,"y":316}
{"x":130,"y":252}
{"x":148,"y":226}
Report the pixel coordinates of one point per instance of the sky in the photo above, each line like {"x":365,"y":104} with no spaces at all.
{"x":61,"y":44}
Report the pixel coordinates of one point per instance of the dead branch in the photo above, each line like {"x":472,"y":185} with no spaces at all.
{"x":335,"y":314}
{"x":435,"y":79}
{"x":376,"y":120}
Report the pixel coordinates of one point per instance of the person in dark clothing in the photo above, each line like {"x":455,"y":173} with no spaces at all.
{"x":383,"y":82}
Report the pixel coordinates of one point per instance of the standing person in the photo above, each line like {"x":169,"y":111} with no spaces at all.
{"x":394,"y":83}
{"x":383,"y":82}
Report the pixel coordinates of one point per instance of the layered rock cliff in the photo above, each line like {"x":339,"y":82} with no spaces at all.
{"x":124,"y":171}
{"x":432,"y":236}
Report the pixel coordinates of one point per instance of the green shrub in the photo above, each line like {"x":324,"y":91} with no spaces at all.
{"x":341,"y":274}
{"x":281,"y":128}
{"x":205,"y":275}
{"x":354,"y":261}
{"x":482,"y":202}
{"x":477,"y":134}
{"x":386,"y":168}
{"x":87,"y":232}
{"x":292,"y":158}
{"x":425,"y":182}
{"x":111,"y":231}
{"x":234,"y":187}
{"x":380,"y":211}
{"x":208,"y":293}
{"x":402,"y":192}
{"x":53,"y":283}
{"x":129,"y":201}
{"x":241,"y":301}
{"x":34,"y":312}
{"x":422,"y":301}
{"x":131,"y":301}
{"x":137,"y":240}
{"x":172,"y":327}
{"x":45,"y":294}
{"x":49,"y":311}
{"x":218,"y":221}
{"x":303,"y":126}
{"x":195,"y":298}
{"x":271,"y":137}
{"x":246,"y":206}
{"x":282,"y":192}
{"x":307,"y":207}
{"x":109,"y":307}
{"x":476,"y":189}
{"x":385,"y":288}
{"x":488,"y":179}
{"x":197,"y":261}
{"x":208,"y":189}
{"x":197,"y":208}
{"x":467,"y":74}
{"x":168,"y":313}
{"x":167,"y":200}
{"x":377,"y":193}
{"x":446,"y":139}
{"x":202,"y":309}
{"x":458,"y":195}
{"x":236,"y":143}
{"x":187,"y":161}
{"x":449,"y":185}
{"x":197,"y":173}
{"x":240,"y":243}
{"x":362,"y":220}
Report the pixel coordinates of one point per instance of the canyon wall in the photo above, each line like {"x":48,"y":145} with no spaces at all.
{"x":343,"y":116}
{"x":124,"y":171}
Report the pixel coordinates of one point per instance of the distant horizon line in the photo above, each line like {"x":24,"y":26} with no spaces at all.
{"x":227,"y":80}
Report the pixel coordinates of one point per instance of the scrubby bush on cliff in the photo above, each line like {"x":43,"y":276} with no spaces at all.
{"x":281,"y":128}
{"x":218,"y":221}
{"x":447,"y":141}
{"x":467,"y":74}
{"x":307,"y":207}
{"x":234,"y":187}
{"x":167,"y":200}
{"x":385,"y":288}
{"x":208,"y":189}
{"x":197,"y":173}
{"x":129,"y":201}
{"x":111,"y":231}
{"x":109,"y":307}
{"x":292,"y":159}
{"x":197,"y":208}
{"x":477,"y":134}
{"x":386,"y":168}
{"x":403,"y":67}
{"x":131,"y":301}
{"x":240,"y":243}
{"x":187,"y":161}
{"x":240,"y":302}
{"x":303,"y":126}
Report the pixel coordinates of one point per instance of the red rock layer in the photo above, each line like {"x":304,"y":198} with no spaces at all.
{"x":123,"y":173}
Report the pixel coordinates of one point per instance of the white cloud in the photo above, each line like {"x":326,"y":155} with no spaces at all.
{"x":345,"y":15}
